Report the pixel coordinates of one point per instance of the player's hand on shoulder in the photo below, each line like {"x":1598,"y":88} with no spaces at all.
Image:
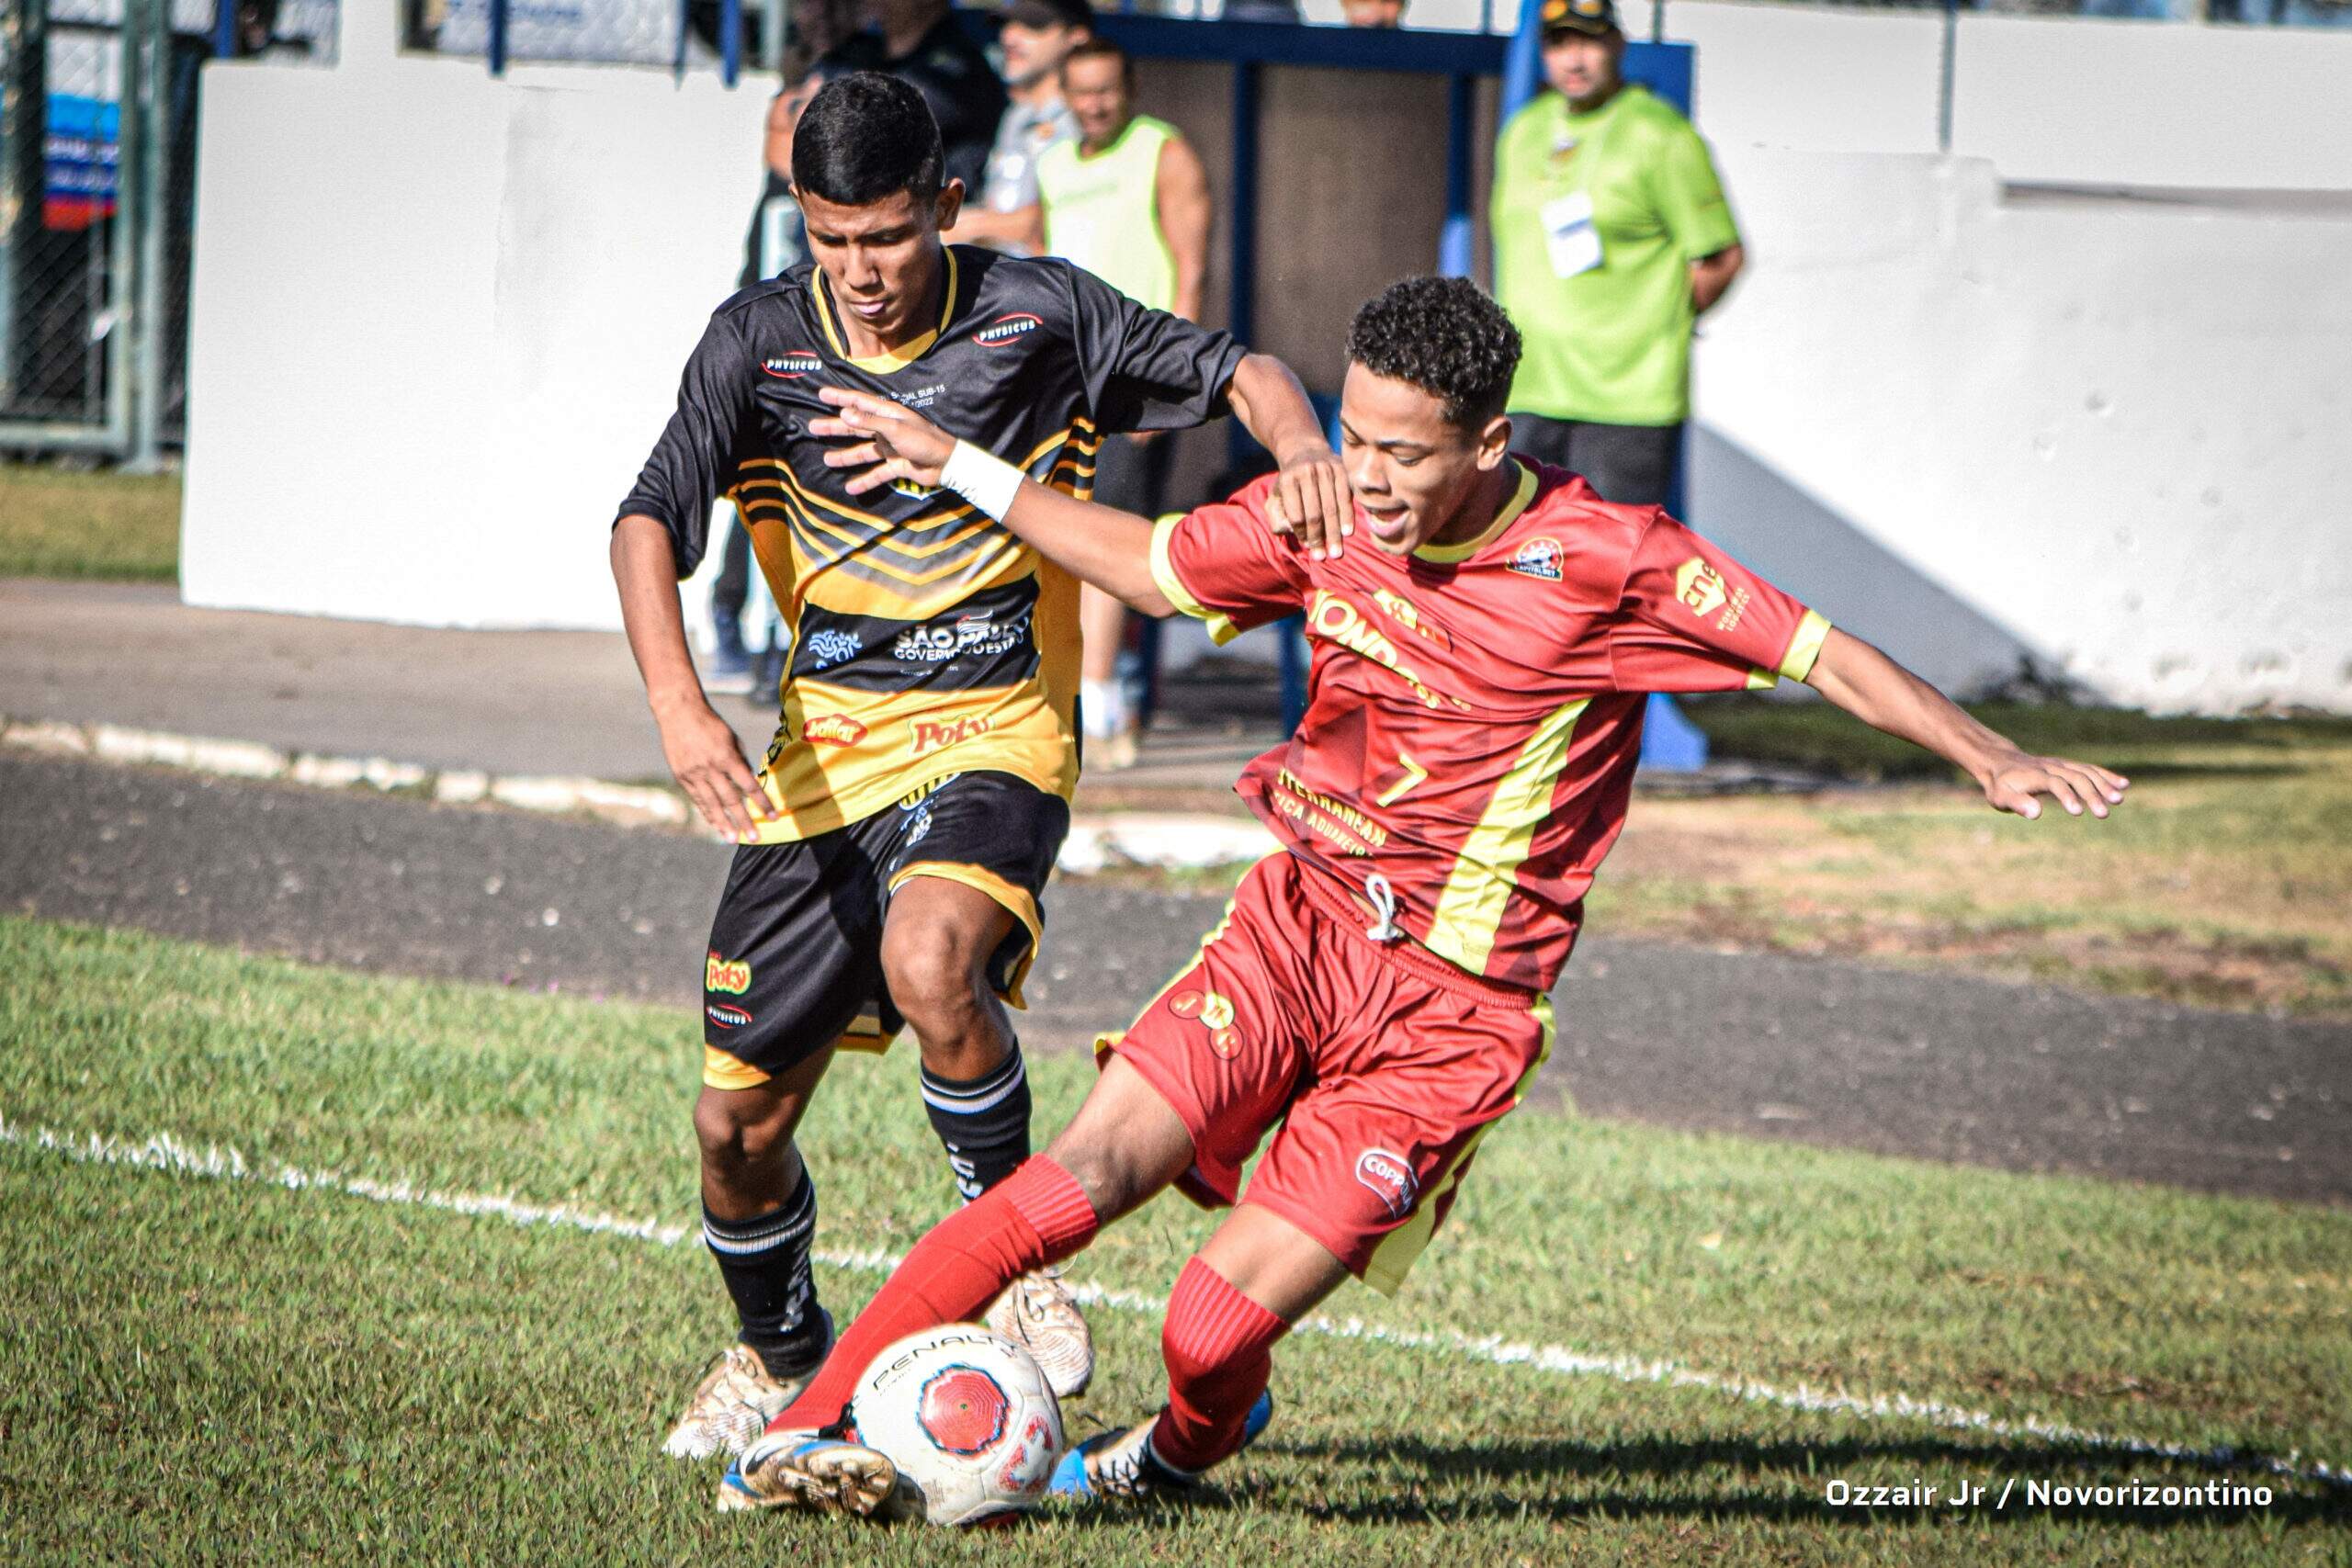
{"x":884,"y":441}
{"x":2018,"y":781}
{"x":1312,"y":502}
{"x":708,"y":762}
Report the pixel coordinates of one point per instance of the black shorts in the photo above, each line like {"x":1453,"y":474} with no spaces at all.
{"x":796,"y":948}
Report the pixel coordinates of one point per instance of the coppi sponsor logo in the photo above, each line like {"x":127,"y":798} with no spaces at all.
{"x":732,"y":975}
{"x":791,"y":367}
{"x":1004,"y":329}
{"x":927,"y":735}
{"x":1538,"y":558}
{"x":1389,"y":1175}
{"x":969,"y":634}
{"x":832,"y":729}
{"x":727,"y":1017}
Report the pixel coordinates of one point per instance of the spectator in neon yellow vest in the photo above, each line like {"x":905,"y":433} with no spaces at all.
{"x":1612,"y":237}
{"x":1129,"y":202}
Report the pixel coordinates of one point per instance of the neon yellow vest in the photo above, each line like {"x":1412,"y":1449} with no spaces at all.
{"x":1103,"y":212}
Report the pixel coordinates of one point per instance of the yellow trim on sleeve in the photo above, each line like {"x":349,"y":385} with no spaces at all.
{"x":1761,"y":679}
{"x":1503,"y":519}
{"x":1163,"y":572}
{"x":1017,"y":899}
{"x":1806,"y":646}
{"x":1477,"y":890}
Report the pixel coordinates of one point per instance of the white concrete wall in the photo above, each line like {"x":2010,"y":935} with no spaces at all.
{"x":438,"y":321}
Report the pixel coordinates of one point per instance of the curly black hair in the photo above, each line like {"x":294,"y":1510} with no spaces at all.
{"x":1445,"y":337}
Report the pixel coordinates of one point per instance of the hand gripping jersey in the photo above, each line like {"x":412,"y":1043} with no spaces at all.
{"x":924,"y":638}
{"x":1474,"y":710}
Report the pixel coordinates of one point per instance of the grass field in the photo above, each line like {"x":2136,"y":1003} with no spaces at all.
{"x":55,"y":523}
{"x":304,"y":1350}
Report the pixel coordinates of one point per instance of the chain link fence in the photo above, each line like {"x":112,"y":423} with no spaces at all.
{"x":98,"y":106}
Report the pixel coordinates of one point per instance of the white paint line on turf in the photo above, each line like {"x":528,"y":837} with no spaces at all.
{"x":163,"y":1153}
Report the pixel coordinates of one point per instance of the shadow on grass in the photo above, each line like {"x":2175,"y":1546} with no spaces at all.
{"x":1454,"y":1474}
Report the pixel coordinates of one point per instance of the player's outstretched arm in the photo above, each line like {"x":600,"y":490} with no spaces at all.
{"x":1312,"y":499}
{"x":886,"y":441}
{"x":1884,"y":695}
{"x":702,"y":751}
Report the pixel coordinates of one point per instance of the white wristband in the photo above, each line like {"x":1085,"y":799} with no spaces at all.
{"x":983,"y":479}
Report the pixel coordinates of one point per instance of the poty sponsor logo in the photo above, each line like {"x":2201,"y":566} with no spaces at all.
{"x":791,"y":367}
{"x":927,"y":736}
{"x":727,"y":1017}
{"x":1004,"y":329}
{"x":1390,"y":1176}
{"x":732,"y":975}
{"x":832,"y":729}
{"x":1538,"y":558}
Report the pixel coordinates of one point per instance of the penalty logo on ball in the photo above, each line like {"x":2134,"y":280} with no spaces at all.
{"x":962,"y":1410}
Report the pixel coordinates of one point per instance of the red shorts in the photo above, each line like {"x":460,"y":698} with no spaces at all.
{"x":1384,"y":1065}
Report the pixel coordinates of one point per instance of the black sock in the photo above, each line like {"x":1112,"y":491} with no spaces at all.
{"x":765,"y":1264}
{"x":984,"y":1121}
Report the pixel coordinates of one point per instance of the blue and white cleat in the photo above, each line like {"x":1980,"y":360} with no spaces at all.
{"x":1124,"y":1464}
{"x":806,"y":1470}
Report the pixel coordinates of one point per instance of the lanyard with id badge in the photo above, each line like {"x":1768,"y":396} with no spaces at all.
{"x":1571,"y":237}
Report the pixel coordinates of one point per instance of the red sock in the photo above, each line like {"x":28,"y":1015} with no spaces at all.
{"x":1037,"y":1215}
{"x":1219,"y":1347}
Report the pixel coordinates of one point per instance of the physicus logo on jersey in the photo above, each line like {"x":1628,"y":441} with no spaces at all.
{"x":1405,"y":613}
{"x":791,"y":367}
{"x":1701,"y":587}
{"x":1539,"y":559}
{"x":1335,"y":618}
{"x":925,"y":736}
{"x":726,"y":1016}
{"x":732,"y":975}
{"x":1390,"y":1174}
{"x":832,"y":729}
{"x":980,"y":634}
{"x":1005,"y":328}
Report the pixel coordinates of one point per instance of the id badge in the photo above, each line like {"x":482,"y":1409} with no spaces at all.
{"x":1570,"y":236}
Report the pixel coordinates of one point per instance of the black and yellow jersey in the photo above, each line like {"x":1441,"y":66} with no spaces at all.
{"x":924,"y":638}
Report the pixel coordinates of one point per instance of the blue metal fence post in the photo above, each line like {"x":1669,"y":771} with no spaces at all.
{"x":498,"y":37}
{"x":1456,"y":241}
{"x":730,"y":40}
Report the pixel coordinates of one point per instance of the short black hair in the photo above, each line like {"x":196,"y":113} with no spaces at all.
{"x":1446,"y":336}
{"x":865,"y":138}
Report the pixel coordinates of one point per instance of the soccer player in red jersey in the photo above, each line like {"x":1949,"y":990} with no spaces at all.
{"x":1377,"y":989}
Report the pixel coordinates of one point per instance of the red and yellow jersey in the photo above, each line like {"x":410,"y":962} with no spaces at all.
{"x":924,"y":639}
{"x":1474,"y":710}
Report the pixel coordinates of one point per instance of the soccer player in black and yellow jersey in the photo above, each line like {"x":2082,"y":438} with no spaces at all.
{"x":894,"y":843}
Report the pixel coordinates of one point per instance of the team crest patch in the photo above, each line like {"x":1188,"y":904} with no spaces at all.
{"x":1538,"y":558}
{"x":1390,"y":1176}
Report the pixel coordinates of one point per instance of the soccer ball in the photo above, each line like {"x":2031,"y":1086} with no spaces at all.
{"x":968,"y":1417}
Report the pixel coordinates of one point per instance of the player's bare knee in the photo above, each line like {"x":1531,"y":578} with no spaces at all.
{"x":1113,"y":1181}
{"x":737,"y":1136}
{"x":934,"y":981}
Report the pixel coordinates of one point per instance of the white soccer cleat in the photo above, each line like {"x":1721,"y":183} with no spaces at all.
{"x":1038,"y":1314}
{"x":803,"y":1470}
{"x":734,"y":1400}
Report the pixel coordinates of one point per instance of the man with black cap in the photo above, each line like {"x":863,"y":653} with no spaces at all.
{"x":1038,"y":36}
{"x":1612,"y":237}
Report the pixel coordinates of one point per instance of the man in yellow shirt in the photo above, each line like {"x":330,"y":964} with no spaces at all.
{"x":1612,"y":237}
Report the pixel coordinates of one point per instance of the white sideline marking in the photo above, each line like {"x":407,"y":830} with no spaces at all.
{"x":161,"y":1152}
